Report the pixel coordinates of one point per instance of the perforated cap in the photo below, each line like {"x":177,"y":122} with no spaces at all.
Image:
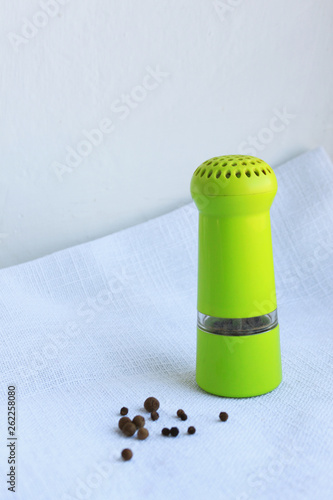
{"x":233,"y":175}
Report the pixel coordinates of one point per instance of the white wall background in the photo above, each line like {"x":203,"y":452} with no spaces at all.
{"x":230,"y":69}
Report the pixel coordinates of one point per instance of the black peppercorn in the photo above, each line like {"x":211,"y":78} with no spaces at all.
{"x":180,"y":413}
{"x":154,"y":415}
{"x":127,"y":454}
{"x":138,"y":421}
{"x":123,"y":421}
{"x":223,"y":416}
{"x":151,"y":404}
{"x":183,"y":416}
{"x":191,"y":430}
{"x":129,"y":429}
{"x":143,"y":433}
{"x":165,"y":431}
{"x":174,"y":431}
{"x":124,"y":411}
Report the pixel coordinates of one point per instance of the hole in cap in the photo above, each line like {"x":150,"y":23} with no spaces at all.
{"x":203,"y":172}
{"x":238,"y":174}
{"x":248,"y":173}
{"x":224,"y":164}
{"x":218,"y":173}
{"x":209,"y":174}
{"x":263,"y":171}
{"x":256,"y":171}
{"x":228,"y":174}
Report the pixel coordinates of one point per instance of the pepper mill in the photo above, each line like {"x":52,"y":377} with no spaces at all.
{"x":238,"y":345}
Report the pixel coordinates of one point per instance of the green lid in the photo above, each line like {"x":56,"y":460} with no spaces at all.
{"x":233,"y":175}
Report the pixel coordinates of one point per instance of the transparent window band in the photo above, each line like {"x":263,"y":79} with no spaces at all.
{"x":238,"y":326}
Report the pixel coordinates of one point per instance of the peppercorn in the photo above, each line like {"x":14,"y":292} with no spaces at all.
{"x":154,"y":415}
{"x":127,"y":454}
{"x":138,"y":421}
{"x":123,"y":421}
{"x":129,"y":429}
{"x":124,"y":411}
{"x":183,"y":416}
{"x":191,"y":430}
{"x":223,"y":416}
{"x":165,"y":431}
{"x":143,"y":433}
{"x":174,"y":431}
{"x":151,"y":404}
{"x":180,"y":413}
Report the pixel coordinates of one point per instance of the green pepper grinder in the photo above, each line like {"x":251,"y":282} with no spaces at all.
{"x":238,"y":345}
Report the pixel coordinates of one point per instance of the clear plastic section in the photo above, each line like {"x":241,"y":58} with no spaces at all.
{"x":238,"y":326}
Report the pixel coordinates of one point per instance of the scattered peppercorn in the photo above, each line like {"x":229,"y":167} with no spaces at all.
{"x":143,"y":433}
{"x":138,"y":421}
{"x":183,"y":416}
{"x":124,"y":411}
{"x":151,"y":404}
{"x":191,"y":430}
{"x":223,"y":416}
{"x":154,"y":415}
{"x":165,"y":431}
{"x":174,"y":431}
{"x":127,"y":454}
{"x":129,"y":429}
{"x":123,"y":421}
{"x":180,"y":413}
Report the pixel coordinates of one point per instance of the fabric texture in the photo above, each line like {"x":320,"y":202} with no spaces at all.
{"x":106,"y":324}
